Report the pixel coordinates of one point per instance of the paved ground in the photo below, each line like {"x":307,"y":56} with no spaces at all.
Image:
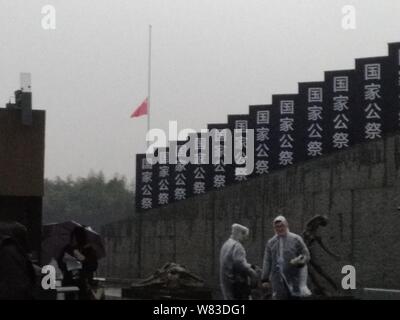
{"x":113,"y":294}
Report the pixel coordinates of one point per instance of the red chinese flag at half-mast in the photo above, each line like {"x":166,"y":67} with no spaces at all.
{"x":142,"y":110}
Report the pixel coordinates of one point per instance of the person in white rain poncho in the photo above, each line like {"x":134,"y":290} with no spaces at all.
{"x":285,"y":263}
{"x":234,"y":268}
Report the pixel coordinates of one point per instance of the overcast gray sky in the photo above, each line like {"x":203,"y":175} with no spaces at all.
{"x":210,"y":58}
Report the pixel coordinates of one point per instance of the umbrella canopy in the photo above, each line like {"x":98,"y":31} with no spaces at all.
{"x":57,"y":236}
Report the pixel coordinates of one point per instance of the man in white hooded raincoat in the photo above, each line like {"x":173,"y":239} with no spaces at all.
{"x":234,"y":268}
{"x":285,"y":263}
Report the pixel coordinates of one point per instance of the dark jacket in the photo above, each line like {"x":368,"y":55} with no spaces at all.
{"x":84,"y":279}
{"x":89,"y":265}
{"x":17,"y":275}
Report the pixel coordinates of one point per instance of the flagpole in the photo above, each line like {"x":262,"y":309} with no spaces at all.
{"x":149,"y":85}
{"x":148,"y":145}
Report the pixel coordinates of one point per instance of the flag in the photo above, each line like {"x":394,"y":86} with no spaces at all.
{"x":142,"y":109}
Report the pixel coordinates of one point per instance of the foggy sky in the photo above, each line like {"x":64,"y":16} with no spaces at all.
{"x":211,"y":58}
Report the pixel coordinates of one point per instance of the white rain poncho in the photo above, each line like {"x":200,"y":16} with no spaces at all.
{"x":286,"y":279}
{"x":233,"y":263}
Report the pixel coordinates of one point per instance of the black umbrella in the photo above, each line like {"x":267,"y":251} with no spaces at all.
{"x":57,"y":236}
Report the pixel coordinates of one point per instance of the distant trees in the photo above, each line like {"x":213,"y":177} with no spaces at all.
{"x":92,"y":201}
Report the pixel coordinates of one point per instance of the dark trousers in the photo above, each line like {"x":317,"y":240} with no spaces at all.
{"x":241,"y":291}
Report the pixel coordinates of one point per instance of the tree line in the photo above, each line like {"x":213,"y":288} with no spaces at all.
{"x":92,"y":200}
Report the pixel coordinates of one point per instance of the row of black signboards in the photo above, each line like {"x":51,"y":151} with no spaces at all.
{"x":348,"y":107}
